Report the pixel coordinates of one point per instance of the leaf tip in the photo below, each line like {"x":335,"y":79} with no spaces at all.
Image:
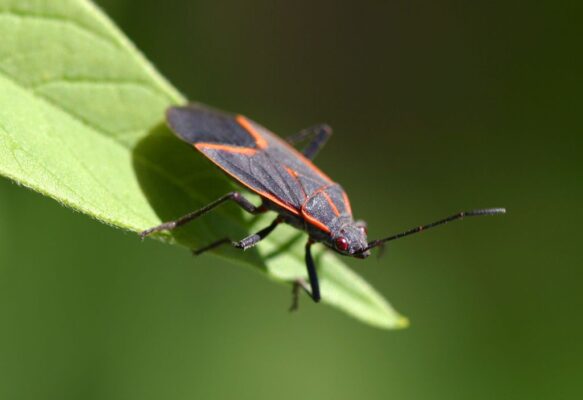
{"x":397,"y":322}
{"x":402,"y":322}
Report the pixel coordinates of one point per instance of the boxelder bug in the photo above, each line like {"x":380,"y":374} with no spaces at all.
{"x":287,"y":181}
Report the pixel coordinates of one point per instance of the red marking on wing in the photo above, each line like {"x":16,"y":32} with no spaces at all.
{"x":223,"y":147}
{"x":290,"y":171}
{"x":259,"y":140}
{"x":243,"y":150}
{"x":332,"y":205}
{"x":347,"y":202}
{"x":295,"y":176}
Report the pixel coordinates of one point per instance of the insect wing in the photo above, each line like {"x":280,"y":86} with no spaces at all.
{"x":243,"y":149}
{"x":261,"y":161}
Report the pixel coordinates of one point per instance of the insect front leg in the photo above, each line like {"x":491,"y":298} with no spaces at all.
{"x":318,"y":135}
{"x":312,"y":274}
{"x":242,"y":244}
{"x":314,"y":290}
{"x":235,"y":196}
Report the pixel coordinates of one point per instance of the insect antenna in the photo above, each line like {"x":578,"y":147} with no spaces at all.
{"x":417,"y":229}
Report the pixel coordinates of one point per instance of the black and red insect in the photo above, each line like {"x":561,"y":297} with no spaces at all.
{"x":287,"y":181}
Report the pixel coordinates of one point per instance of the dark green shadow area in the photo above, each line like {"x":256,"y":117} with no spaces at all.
{"x":177,"y":180}
{"x":292,"y":242}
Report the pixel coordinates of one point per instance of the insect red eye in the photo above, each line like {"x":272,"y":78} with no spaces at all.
{"x":342,"y":244}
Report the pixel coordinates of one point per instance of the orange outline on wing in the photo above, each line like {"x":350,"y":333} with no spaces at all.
{"x":231,"y":149}
{"x":259,"y":140}
{"x":295,"y":176}
{"x":332,"y":205}
{"x":347,"y":202}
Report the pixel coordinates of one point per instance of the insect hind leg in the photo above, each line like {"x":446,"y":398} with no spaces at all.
{"x":234,"y":196}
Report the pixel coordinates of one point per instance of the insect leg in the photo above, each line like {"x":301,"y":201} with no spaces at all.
{"x":313,"y":290}
{"x":242,"y":244}
{"x":235,"y":196}
{"x":297,"y":285}
{"x":312,"y":274}
{"x":252,"y":240}
{"x":318,"y":135}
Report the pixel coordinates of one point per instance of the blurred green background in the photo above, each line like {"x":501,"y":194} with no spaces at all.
{"x":437,"y":107}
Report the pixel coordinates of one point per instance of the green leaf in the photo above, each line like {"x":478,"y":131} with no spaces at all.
{"x":81,"y":121}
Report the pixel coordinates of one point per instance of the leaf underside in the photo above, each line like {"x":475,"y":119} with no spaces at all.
{"x":81,"y":121}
